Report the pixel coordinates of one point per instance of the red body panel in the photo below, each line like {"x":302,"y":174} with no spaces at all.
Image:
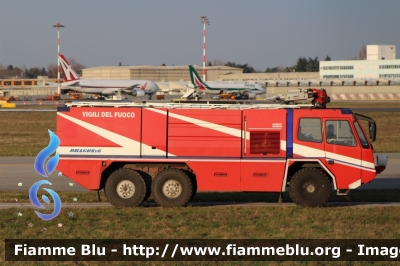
{"x":204,"y":133}
{"x":368,"y":156}
{"x":264,"y":175}
{"x":72,"y":135}
{"x":111,"y":119}
{"x":81,"y":170}
{"x":85,"y":173}
{"x":154,"y":133}
{"x":268,"y":127}
{"x":345,"y":171}
{"x":265,"y":139}
{"x":217,"y":176}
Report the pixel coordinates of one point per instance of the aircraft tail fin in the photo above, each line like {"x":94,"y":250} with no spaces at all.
{"x":69,"y":72}
{"x":196,"y":80}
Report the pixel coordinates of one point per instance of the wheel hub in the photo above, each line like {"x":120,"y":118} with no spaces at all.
{"x":172,"y":189}
{"x":125,"y":189}
{"x":310,"y":188}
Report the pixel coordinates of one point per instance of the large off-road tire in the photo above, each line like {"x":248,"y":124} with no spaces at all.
{"x":192,"y":177}
{"x":125,"y":188}
{"x":310,"y":187}
{"x":148,"y":180}
{"x":172,"y":188}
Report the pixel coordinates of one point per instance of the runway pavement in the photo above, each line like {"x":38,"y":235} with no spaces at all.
{"x":18,"y":174}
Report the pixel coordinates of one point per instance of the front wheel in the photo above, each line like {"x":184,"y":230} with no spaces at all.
{"x":310,"y":187}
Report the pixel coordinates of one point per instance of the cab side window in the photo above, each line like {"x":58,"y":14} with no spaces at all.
{"x":310,"y":129}
{"x":339,"y":132}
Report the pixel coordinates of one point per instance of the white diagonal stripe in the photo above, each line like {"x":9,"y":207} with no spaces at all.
{"x":128,"y":146}
{"x":305,"y":151}
{"x":201,"y":123}
{"x":355,"y":184}
{"x":350,"y":160}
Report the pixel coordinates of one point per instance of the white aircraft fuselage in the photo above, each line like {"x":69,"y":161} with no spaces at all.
{"x":112,"y":87}
{"x":217,"y":87}
{"x":106,"y":87}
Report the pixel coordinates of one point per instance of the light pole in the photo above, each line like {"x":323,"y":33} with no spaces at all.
{"x":58,"y":26}
{"x":205,"y":21}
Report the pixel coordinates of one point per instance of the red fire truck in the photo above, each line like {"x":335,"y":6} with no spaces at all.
{"x":170,"y":150}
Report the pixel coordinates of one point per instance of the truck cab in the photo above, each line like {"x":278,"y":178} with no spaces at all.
{"x":335,"y":142}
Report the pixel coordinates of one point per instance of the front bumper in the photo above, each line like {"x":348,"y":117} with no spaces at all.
{"x":381,"y":161}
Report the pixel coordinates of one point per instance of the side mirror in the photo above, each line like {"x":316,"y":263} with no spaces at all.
{"x":372,"y":131}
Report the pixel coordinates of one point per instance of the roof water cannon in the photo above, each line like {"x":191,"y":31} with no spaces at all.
{"x":320,"y":97}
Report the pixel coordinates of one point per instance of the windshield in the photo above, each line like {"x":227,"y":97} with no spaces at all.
{"x":361,"y":136}
{"x":371,"y":125}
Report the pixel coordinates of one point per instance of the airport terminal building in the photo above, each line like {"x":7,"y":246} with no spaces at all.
{"x":381,"y":63}
{"x":360,"y":69}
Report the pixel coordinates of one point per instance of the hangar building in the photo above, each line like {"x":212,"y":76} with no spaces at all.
{"x":156,"y":73}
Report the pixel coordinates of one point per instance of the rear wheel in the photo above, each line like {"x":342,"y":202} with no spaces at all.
{"x":125,"y":188}
{"x":192,"y":177}
{"x":310,"y":187}
{"x":148,"y":180}
{"x":172,"y":188}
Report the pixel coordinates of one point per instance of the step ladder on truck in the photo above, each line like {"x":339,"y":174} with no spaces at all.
{"x":172,"y":150}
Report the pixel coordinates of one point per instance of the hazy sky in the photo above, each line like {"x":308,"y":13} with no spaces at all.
{"x":261,"y":33}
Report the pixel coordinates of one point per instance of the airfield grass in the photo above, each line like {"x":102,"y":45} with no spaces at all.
{"x":373,"y":195}
{"x":204,"y":223}
{"x":388,"y":131}
{"x":25,"y":133}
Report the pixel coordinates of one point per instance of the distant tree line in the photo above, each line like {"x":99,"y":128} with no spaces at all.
{"x":302,"y":65}
{"x":10,"y":71}
{"x":312,"y":65}
{"x":246,"y":68}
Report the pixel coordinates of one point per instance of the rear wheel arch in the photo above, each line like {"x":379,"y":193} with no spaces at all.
{"x":108,"y":171}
